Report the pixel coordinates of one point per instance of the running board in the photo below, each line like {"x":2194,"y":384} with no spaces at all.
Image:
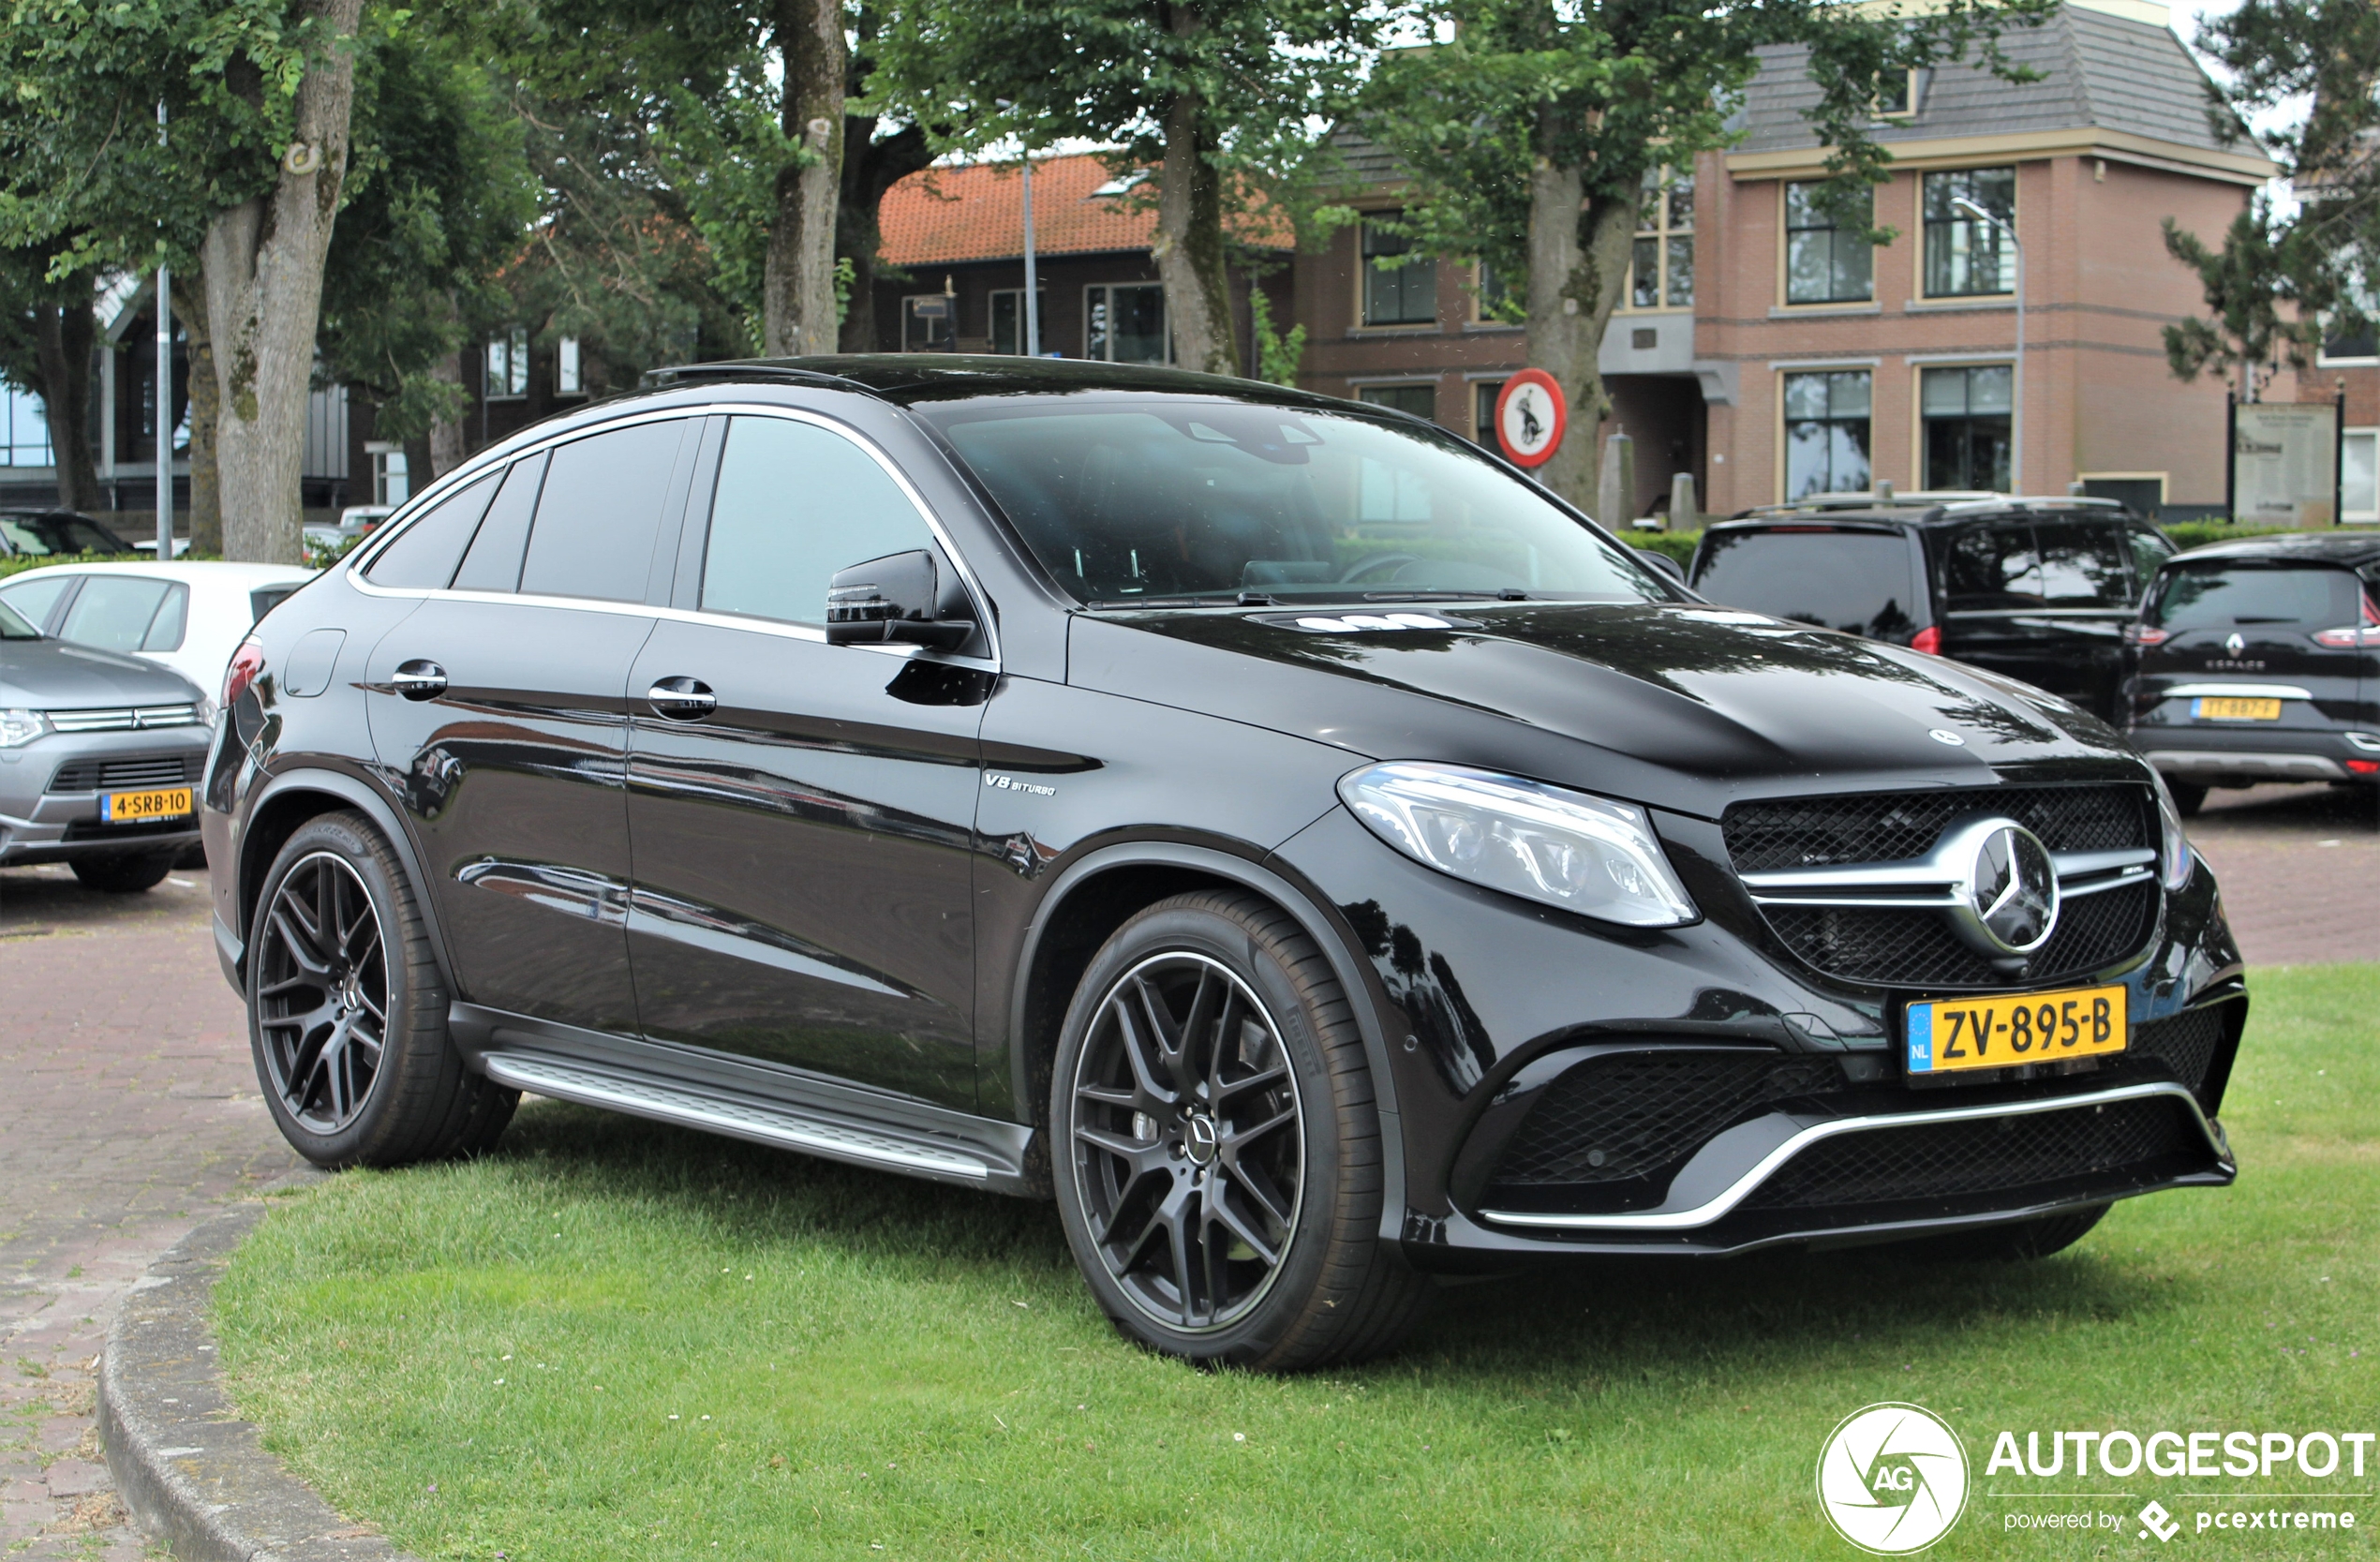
{"x":786,"y":1127}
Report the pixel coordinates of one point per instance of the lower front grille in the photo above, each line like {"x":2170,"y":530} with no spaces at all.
{"x":1631,"y":1114}
{"x":1994,"y":1155}
{"x":2185,"y":1044}
{"x":1916,"y":949}
{"x":107,"y":775}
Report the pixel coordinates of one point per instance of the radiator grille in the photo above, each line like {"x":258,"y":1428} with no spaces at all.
{"x":1916,"y":949}
{"x":1892,"y":826}
{"x":108,"y":775}
{"x":1994,"y":1156}
{"x":1615,"y":1118}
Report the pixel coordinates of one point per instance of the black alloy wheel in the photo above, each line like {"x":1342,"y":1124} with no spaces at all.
{"x":322,"y":992}
{"x":1188,"y":1148}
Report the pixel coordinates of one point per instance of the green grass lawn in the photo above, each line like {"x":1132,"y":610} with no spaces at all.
{"x":616,"y":1340}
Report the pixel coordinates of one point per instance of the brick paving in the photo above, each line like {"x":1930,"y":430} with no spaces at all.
{"x":128,"y":1109}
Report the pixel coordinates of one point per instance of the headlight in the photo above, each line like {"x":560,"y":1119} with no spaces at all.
{"x":20,"y":727}
{"x":2174,"y":859}
{"x":1545,"y":843}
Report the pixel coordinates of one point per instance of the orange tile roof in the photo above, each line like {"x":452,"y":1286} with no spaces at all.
{"x":974,"y":212}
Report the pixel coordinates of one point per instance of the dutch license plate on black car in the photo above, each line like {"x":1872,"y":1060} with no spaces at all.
{"x":1948,"y":1034}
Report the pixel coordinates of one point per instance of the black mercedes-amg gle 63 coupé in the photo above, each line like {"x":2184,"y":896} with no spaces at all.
{"x":1270,"y":827}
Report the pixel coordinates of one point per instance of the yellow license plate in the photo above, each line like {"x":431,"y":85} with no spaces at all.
{"x":1951,"y":1034}
{"x":2231,"y":709}
{"x":139,"y":807}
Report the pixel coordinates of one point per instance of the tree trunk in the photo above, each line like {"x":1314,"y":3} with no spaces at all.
{"x":1578,"y":262}
{"x":206,"y":416}
{"x":797,"y":291}
{"x":64,"y":337}
{"x":1189,"y":246}
{"x":447,"y":441}
{"x":867,"y":174}
{"x":262,"y":260}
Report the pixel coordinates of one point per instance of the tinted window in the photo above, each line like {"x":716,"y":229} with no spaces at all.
{"x":600,"y":512}
{"x":1155,"y":498}
{"x":2215,"y":596}
{"x":35,"y":597}
{"x":264,"y":599}
{"x":13,"y":627}
{"x":1993,"y":567}
{"x":795,"y":503}
{"x":47,"y":534}
{"x":2083,"y":564}
{"x":2149,"y":550}
{"x":1863,"y":582}
{"x":115,"y":612}
{"x":425,"y":556}
{"x":494,"y":561}
{"x":173,"y":618}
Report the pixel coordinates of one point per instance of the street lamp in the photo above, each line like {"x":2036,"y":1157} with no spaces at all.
{"x":2017,"y":410}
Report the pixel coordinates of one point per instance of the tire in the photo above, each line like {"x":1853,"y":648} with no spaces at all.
{"x":1288,"y":1164}
{"x":131,"y":873}
{"x":2189,"y":796}
{"x":337,"y":951}
{"x":2003,"y":1244}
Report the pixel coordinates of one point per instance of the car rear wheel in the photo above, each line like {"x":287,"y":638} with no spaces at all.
{"x":1217,"y":1146}
{"x":129,"y":873}
{"x":2026,"y":1239}
{"x":347,"y":1009}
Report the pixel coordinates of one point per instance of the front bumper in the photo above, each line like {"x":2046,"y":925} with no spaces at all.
{"x":50,"y":814}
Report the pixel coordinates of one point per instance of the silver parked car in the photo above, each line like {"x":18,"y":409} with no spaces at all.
{"x":100,"y":759}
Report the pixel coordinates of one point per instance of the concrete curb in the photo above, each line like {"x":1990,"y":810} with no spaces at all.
{"x":193,"y":1474}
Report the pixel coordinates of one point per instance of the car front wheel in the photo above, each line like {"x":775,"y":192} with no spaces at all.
{"x":1217,"y":1146}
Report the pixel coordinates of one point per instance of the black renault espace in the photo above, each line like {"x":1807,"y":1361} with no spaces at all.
{"x":1266,"y":825}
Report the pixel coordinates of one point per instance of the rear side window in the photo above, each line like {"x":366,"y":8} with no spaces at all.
{"x":2083,"y":564}
{"x":2149,"y":552}
{"x":795,"y":503}
{"x":425,"y":556}
{"x":1861,"y":582}
{"x":601,"y":513}
{"x":33,"y":599}
{"x":2232,"y":595}
{"x":1993,"y":568}
{"x":494,"y":561}
{"x":126,"y":613}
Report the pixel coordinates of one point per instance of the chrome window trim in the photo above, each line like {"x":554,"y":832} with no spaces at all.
{"x":1768,"y":1165}
{"x":477,"y":467}
{"x":2235,"y":691}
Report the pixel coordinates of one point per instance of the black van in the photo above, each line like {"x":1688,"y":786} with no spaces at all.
{"x":2040,"y":590}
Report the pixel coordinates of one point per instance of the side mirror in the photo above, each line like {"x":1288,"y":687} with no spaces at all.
{"x":1664,"y":563}
{"x":897,"y":601}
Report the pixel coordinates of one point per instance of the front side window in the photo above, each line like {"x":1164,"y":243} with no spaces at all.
{"x":795,"y":504}
{"x":36,"y":595}
{"x":1967,"y":413}
{"x":1165,"y":501}
{"x":2149,"y":552}
{"x":1419,"y":400}
{"x":1825,"y":261}
{"x":1660,"y":272}
{"x":128,"y":612}
{"x":1403,"y":291}
{"x":600,"y":512}
{"x":1965,"y":256}
{"x":1125,"y":323}
{"x":1826,"y":433}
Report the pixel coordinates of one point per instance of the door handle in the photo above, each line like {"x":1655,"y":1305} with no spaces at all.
{"x":419,"y":680}
{"x":682,"y":699}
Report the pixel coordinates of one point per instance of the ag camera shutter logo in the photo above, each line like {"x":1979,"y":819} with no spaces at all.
{"x":1893,"y":1478}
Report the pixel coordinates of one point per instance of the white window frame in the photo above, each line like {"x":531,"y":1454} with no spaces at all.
{"x":506,"y":367}
{"x":569,"y":378}
{"x":388,"y":472}
{"x":2364,"y":432}
{"x":991,"y":320}
{"x":1165,"y":314}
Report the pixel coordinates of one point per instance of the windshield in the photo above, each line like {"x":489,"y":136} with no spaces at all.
{"x":2220,"y":596}
{"x":58,"y":534}
{"x":1860,"y":582}
{"x":1146,"y":499}
{"x":13,"y":627}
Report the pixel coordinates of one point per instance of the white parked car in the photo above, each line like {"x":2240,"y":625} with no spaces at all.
{"x":188,"y":616}
{"x":356,"y":520}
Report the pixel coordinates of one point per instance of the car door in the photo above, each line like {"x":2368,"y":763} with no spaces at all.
{"x":802,"y":813}
{"x":1991,"y":585}
{"x":2087,"y":596}
{"x":503,"y":703}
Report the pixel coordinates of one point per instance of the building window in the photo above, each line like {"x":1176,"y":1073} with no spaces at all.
{"x":390,"y":484}
{"x":1967,"y":426}
{"x":25,"y":429}
{"x":568,"y":378}
{"x":1826,"y":433}
{"x":1125,"y":323}
{"x":1484,"y":394}
{"x":1964,"y":255}
{"x":2357,"y":348}
{"x":1419,"y":400}
{"x":1896,"y":93}
{"x":1826,"y":263}
{"x":1008,"y":319}
{"x":2359,"y":475}
{"x":1660,"y":272}
{"x":1402,"y":293}
{"x":929,"y":324}
{"x":508,"y":367}
{"x":1493,"y":298}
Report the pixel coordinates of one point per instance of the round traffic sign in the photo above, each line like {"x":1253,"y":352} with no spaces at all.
{"x":1530,"y":416}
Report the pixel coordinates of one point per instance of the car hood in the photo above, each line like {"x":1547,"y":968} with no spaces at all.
{"x":1678,"y":706}
{"x":51,"y":675}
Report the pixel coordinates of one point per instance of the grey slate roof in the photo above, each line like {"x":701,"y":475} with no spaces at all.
{"x":2098,"y":71}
